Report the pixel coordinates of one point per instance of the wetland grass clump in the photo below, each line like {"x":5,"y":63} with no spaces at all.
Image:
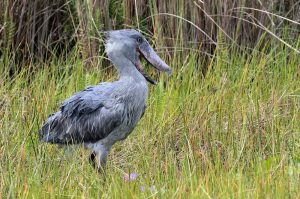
{"x":233,"y":133}
{"x":225,"y":125}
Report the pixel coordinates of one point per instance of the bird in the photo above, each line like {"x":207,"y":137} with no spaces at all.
{"x":103,"y":114}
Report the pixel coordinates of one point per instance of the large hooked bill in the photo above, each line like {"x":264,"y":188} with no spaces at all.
{"x":150,"y":55}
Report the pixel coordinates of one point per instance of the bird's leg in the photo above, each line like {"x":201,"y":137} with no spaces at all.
{"x":98,"y":157}
{"x":92,"y":159}
{"x":102,"y":161}
{"x":98,"y":161}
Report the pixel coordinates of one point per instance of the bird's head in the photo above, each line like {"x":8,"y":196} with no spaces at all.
{"x":133,"y":45}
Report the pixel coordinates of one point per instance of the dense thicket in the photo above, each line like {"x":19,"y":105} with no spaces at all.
{"x":40,"y":29}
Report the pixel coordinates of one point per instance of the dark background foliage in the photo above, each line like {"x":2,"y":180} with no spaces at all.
{"x":39,"y":29}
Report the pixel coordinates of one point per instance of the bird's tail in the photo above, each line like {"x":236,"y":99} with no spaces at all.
{"x":49,"y":131}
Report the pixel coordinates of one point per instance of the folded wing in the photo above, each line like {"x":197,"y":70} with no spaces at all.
{"x":87,"y":116}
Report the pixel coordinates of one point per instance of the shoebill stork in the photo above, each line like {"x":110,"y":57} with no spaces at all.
{"x":101,"y":115}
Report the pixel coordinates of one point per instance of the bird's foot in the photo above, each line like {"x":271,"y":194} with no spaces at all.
{"x":99,"y":166}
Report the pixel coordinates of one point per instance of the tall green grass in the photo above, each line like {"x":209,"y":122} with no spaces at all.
{"x":233,"y":133}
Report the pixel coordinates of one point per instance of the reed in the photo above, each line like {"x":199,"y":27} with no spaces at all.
{"x":39,"y":30}
{"x":231,"y":134}
{"x":225,"y":125}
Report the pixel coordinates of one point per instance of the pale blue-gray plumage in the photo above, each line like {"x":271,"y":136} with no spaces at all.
{"x":101,"y":115}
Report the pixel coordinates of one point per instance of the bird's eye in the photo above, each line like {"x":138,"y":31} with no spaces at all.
{"x":139,"y":40}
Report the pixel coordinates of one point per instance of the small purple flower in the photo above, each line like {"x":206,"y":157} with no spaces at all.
{"x":153,"y":189}
{"x":143,"y":188}
{"x":130,"y":177}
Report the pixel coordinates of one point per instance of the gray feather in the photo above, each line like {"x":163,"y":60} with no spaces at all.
{"x":87,"y":116}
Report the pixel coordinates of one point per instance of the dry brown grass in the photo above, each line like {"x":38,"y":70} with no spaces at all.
{"x":38,"y":29}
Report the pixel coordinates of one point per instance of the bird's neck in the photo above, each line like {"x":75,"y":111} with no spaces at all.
{"x":126,"y":68}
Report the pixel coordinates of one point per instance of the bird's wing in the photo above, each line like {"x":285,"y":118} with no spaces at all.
{"x":87,"y":116}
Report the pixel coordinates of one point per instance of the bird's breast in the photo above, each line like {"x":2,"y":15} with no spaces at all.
{"x":135,"y":104}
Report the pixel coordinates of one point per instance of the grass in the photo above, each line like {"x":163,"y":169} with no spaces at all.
{"x":233,"y":133}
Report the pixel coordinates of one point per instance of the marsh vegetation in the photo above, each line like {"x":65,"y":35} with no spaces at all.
{"x":225,"y":125}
